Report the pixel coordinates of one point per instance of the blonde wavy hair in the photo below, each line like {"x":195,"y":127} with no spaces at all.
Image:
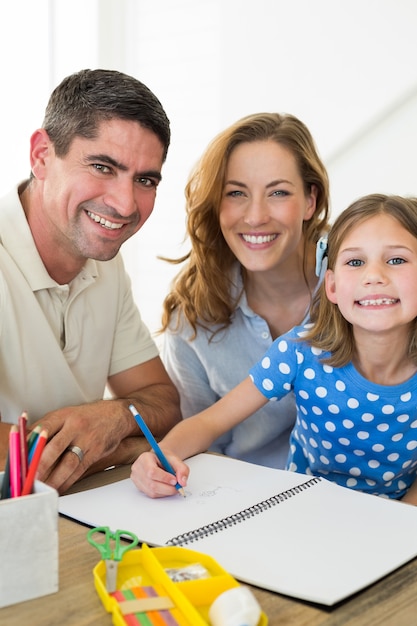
{"x":331,"y":331}
{"x":202,"y":289}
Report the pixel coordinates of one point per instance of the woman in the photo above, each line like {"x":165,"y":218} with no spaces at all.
{"x":257,"y":203}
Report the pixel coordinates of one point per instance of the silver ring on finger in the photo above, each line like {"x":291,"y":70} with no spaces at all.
{"x":77,"y":451}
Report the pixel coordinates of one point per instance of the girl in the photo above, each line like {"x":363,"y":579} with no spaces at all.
{"x":352,"y":369}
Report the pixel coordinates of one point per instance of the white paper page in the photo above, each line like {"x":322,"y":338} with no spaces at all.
{"x":218,"y":486}
{"x":322,"y":545}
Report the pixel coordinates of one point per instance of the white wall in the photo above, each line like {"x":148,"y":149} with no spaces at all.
{"x":345,"y":67}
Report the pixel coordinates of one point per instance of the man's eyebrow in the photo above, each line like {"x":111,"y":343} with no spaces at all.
{"x":105,"y":158}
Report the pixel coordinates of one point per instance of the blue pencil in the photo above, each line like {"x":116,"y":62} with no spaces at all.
{"x":152,"y":442}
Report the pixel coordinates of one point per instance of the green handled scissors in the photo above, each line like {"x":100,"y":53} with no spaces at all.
{"x":111,"y":549}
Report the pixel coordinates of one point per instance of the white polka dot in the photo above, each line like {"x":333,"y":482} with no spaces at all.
{"x":378,"y":447}
{"x":355,"y":471}
{"x":266,"y":362}
{"x":286,"y":386}
{"x":372,"y":397}
{"x":383,"y":427}
{"x":402,"y":484}
{"x":282,"y":345}
{"x":328,"y":369}
{"x":388,"y":409}
{"x":411,"y":445}
{"x":413,"y":424}
{"x":303,"y":394}
{"x":362,"y":434}
{"x":309,"y":373}
{"x":406,"y":464}
{"x":316,"y":351}
{"x":367,"y":417}
{"x":370,"y":482}
{"x":292,"y":467}
{"x":304,"y":424}
{"x":352,"y":403}
{"x":267,"y":384}
{"x":313,"y":442}
{"x":405,"y":397}
{"x":388,"y":476}
{"x":340,"y":386}
{"x":340,"y":458}
{"x":326,"y":444}
{"x":284,"y":368}
{"x":344,"y":442}
{"x":373,"y":463}
{"x":300,"y":357}
{"x":403,"y":418}
{"x":394,"y":456}
{"x":359,"y":452}
{"x":324,"y":460}
{"x":397,"y":437}
{"x":303,"y":409}
{"x":321,"y":392}
{"x":348,"y":423}
{"x":317,"y":410}
{"x":351,"y":482}
{"x":314,"y":427}
{"x":311,"y":457}
{"x":333,"y":408}
{"x":330,"y":426}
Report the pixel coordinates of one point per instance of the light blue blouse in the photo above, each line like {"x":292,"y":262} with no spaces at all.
{"x":204,"y":371}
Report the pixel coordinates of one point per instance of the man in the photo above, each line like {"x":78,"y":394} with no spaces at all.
{"x":68,"y":324}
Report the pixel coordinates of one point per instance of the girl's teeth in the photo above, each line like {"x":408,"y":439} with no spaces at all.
{"x":377,"y":302}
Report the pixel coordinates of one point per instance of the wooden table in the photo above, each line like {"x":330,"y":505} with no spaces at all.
{"x":390,"y":602}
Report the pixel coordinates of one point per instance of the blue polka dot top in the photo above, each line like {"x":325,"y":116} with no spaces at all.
{"x":349,"y":430}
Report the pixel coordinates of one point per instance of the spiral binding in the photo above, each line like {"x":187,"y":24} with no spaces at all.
{"x":237,"y":518}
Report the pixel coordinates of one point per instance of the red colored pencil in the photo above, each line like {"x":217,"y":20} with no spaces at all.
{"x":14,"y":451}
{"x":33,"y":467}
{"x":23,"y":447}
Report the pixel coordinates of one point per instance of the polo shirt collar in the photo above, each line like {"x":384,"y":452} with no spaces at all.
{"x":16,"y":238}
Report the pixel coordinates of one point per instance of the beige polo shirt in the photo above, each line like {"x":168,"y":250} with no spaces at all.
{"x":60,"y":343}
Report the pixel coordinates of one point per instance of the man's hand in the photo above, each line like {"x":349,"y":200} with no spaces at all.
{"x":97,"y":429}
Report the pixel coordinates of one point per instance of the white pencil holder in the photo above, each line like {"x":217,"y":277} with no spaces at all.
{"x":28,"y":545}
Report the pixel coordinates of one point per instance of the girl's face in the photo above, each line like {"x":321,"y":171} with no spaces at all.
{"x":375,"y":275}
{"x":264,"y":205}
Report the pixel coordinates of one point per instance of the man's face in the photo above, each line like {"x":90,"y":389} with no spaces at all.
{"x":99,"y":194}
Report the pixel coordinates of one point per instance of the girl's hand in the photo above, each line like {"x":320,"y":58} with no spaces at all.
{"x":153,"y":480}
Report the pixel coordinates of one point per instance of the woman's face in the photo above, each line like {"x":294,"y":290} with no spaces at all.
{"x":264,"y":205}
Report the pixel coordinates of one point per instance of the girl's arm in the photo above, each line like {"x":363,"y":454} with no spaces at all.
{"x":193,"y":435}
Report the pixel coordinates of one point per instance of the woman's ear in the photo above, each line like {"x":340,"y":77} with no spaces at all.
{"x":311,"y":203}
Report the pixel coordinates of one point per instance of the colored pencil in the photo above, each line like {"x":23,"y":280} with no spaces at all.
{"x":23,"y":447}
{"x":152,"y":442}
{"x":14,"y":451}
{"x":5,"y":488}
{"x":33,"y":437}
{"x":33,"y":467}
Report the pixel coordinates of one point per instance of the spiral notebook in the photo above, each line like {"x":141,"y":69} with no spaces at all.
{"x":289,"y":533}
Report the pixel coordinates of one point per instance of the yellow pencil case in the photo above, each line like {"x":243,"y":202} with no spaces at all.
{"x":170,"y":574}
